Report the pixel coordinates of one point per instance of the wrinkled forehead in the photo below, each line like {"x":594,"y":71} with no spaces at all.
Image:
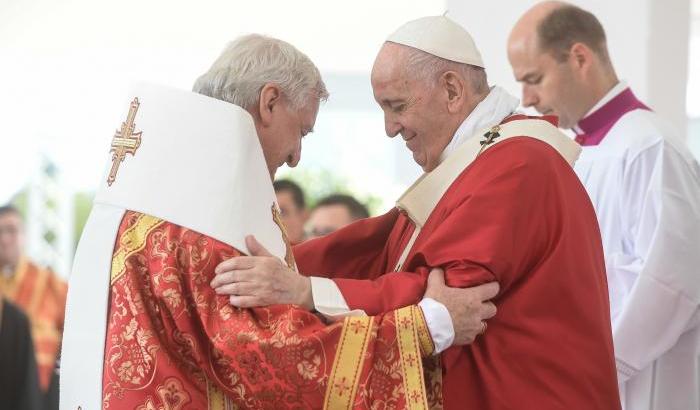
{"x":390,"y":64}
{"x":307,"y":114}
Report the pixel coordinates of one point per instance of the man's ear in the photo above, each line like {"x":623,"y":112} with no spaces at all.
{"x":581,"y":56}
{"x":270,"y":96}
{"x":455,"y":89}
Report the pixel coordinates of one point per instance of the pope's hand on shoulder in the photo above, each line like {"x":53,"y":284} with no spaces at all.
{"x":261,"y":279}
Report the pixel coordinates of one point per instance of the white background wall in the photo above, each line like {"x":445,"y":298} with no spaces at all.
{"x":648,"y":42}
{"x":64,"y":67}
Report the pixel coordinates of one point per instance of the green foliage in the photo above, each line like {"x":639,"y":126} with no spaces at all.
{"x":21,"y":202}
{"x":82,"y":204}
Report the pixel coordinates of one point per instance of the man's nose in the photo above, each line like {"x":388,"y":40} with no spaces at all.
{"x":391,"y":127}
{"x":530,"y":98}
{"x":296,"y":156}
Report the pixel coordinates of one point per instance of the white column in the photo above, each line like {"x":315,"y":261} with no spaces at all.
{"x":50,"y":220}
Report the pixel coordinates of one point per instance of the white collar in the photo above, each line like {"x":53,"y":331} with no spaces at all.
{"x":497,"y":105}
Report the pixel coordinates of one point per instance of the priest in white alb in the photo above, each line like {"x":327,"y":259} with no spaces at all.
{"x":645,"y":186}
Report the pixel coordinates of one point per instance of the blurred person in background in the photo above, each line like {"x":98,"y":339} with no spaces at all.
{"x":290,"y":198}
{"x":19,"y":381}
{"x":334,"y":212}
{"x":39,"y":292}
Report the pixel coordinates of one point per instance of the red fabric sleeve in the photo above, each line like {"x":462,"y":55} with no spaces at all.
{"x":490,"y":233}
{"x":500,"y":224}
{"x":356,"y":251}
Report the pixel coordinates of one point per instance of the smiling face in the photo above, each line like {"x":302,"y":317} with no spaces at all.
{"x":281,"y":127}
{"x":413,"y":108}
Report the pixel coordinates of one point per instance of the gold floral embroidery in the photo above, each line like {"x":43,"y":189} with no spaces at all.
{"x":263,"y":358}
{"x":171,"y":394}
{"x":134,"y":354}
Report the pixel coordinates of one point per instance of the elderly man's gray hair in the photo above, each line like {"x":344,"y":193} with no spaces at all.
{"x":250,"y":62}
{"x":427,"y":67}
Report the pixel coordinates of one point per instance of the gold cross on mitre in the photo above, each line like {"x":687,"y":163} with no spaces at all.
{"x":125,"y":141}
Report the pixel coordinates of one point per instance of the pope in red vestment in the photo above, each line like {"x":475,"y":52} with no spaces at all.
{"x":517,"y":215}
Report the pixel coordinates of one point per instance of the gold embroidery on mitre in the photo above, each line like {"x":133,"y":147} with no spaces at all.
{"x":289,"y":256}
{"x":125,"y":141}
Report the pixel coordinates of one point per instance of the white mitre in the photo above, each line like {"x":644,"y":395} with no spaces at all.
{"x":441,"y":37}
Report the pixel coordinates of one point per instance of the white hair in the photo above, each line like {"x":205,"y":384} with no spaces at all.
{"x":250,"y":62}
{"x":427,"y":67}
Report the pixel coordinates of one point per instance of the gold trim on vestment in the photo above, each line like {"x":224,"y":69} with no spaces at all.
{"x":215,"y":397}
{"x":217,"y":400}
{"x":407,"y":324}
{"x":131,"y":241}
{"x":347,"y":364}
{"x":427,"y":347}
{"x":289,"y":255}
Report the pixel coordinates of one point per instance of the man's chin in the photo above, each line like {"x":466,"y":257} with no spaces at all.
{"x":428,"y":168}
{"x":423,"y":163}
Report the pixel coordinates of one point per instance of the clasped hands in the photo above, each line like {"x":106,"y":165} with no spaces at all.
{"x":262,"y":279}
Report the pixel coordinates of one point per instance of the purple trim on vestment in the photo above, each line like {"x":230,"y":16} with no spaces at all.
{"x":596,"y":126}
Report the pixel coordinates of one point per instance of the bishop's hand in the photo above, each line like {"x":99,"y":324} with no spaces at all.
{"x":261,"y":280}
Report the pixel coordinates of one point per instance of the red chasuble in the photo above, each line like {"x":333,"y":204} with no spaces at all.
{"x":517,"y":215}
{"x":172,"y":343}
